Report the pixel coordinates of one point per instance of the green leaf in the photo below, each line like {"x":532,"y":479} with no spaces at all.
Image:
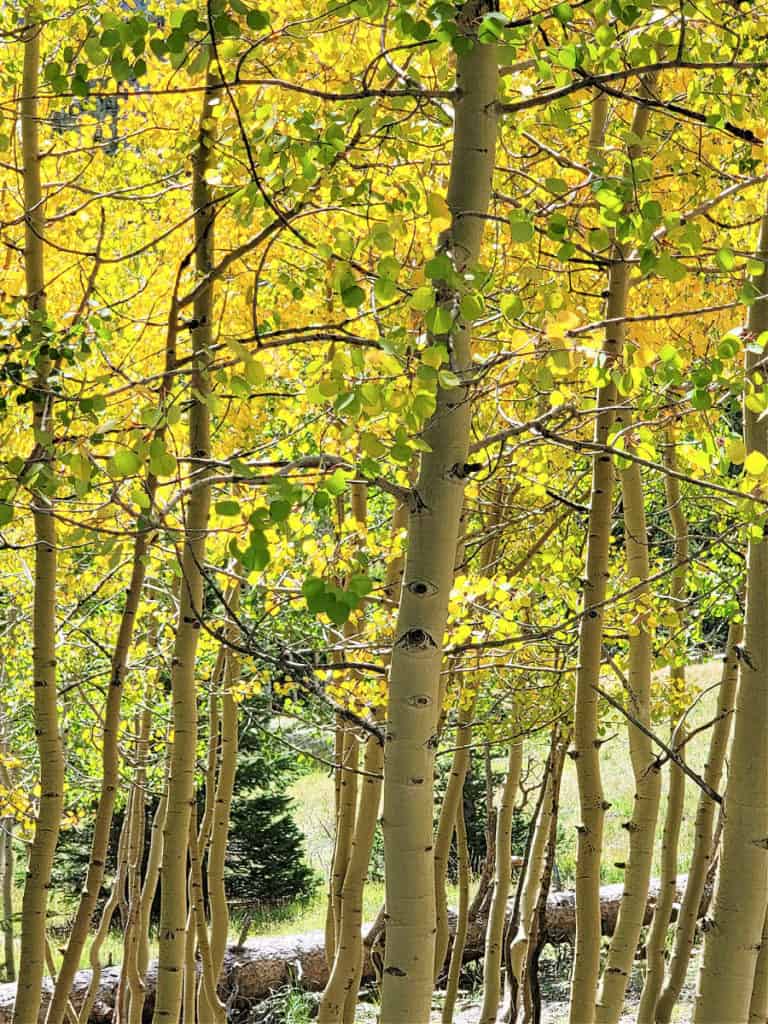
{"x":279,"y":510}
{"x":670,"y":268}
{"x":448,"y":379}
{"x":511,"y":306}
{"x":124,"y":463}
{"x":439,"y":320}
{"x":6,"y":513}
{"x":471,"y":306}
{"x":120,"y":68}
{"x":371,"y":445}
{"x":257,"y":20}
{"x":423,"y":299}
{"x":352,"y":295}
{"x":336,"y":483}
{"x":725,"y":259}
{"x":227,"y":508}
{"x":521,"y":229}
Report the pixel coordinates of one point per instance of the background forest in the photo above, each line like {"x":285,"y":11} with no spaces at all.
{"x":383,"y":500}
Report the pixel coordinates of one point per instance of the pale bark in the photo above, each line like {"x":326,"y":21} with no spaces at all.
{"x":205,"y":1005}
{"x":461,"y":757}
{"x":530,"y":885}
{"x":656,"y":941}
{"x":49,"y":744}
{"x":731,"y":945}
{"x":642,"y":826}
{"x":225,"y":784}
{"x":758,"y":1006}
{"x":92,"y":988}
{"x":586,"y":743}
{"x":339,"y":1000}
{"x":462,"y":919}
{"x":432,"y":539}
{"x":130,"y":982}
{"x":445,"y":827}
{"x":704,"y":830}
{"x":181,"y":783}
{"x":6,"y":827}
{"x":502,"y":881}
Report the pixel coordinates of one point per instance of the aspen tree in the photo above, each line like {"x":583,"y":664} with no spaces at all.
{"x":49,"y":744}
{"x":339,"y":1001}
{"x":7,"y":870}
{"x":460,"y":760}
{"x":494,"y":933}
{"x":656,"y":941}
{"x":110,"y":766}
{"x":105,"y":921}
{"x":530,"y":885}
{"x":181,"y":782}
{"x":586,"y":741}
{"x":642,"y":826}
{"x":130,"y":979}
{"x":703,"y":830}
{"x":462,"y":919}
{"x":432,"y":539}
{"x":225,"y":784}
{"x":731,"y":946}
{"x":347,"y":750}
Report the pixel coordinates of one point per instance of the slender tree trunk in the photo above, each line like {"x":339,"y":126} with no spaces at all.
{"x":704,"y":830}
{"x":462,"y":918}
{"x":110,"y":765}
{"x":758,"y":1007}
{"x":225,"y":784}
{"x":656,"y":941}
{"x":529,"y":997}
{"x":339,"y":1000}
{"x":6,"y":827}
{"x":445,"y":827}
{"x":731,"y":946}
{"x":460,"y":761}
{"x":432,"y":539}
{"x":494,"y":934}
{"x":530,"y":885}
{"x":181,"y":783}
{"x":130,"y":979}
{"x":49,"y":744}
{"x":94,"y":953}
{"x":655,"y":945}
{"x":642,"y":827}
{"x":586,"y":742}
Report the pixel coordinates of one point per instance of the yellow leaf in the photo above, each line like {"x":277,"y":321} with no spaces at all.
{"x":736,"y":451}
{"x":755,"y":463}
{"x":644,"y":356}
{"x":565,"y":321}
{"x":438,"y":210}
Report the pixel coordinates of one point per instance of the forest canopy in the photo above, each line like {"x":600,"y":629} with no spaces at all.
{"x":383,"y":387}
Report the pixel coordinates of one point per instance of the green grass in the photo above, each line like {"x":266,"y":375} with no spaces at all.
{"x":618,"y":784}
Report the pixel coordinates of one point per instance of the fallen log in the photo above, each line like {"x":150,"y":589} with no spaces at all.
{"x":262,"y":965}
